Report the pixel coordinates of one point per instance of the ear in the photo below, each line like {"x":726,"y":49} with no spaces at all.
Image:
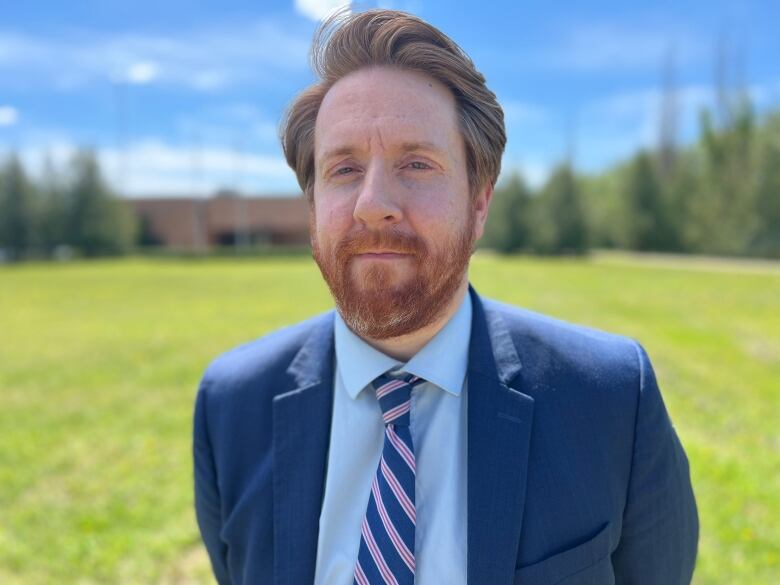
{"x":481,"y":204}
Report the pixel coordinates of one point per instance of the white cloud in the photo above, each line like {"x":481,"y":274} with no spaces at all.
{"x":319,"y":9}
{"x":534,"y":171}
{"x":162,"y":157}
{"x":518,"y":112}
{"x":153,"y":167}
{"x":142,"y":72}
{"x":616,"y":125}
{"x":234,"y":123}
{"x":207,"y":58}
{"x":8,"y":115}
{"x":637,"y":113}
{"x":609,"y":129}
{"x":612,"y":47}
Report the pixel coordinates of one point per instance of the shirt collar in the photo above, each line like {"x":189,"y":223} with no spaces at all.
{"x":442,"y":361}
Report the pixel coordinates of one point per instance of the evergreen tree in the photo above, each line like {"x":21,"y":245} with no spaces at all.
{"x":678,"y":189}
{"x":53,"y":210}
{"x":98,"y":222}
{"x":649,"y":227}
{"x":603,"y":197}
{"x":17,"y":211}
{"x":508,"y":226}
{"x":721,"y":211}
{"x":767,"y":238}
{"x":560,"y":226}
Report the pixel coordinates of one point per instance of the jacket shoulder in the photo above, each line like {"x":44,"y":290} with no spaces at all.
{"x":532,"y":322}
{"x":264,"y":358}
{"x":545,"y":343}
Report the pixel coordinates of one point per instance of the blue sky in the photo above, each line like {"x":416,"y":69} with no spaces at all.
{"x":181,"y":97}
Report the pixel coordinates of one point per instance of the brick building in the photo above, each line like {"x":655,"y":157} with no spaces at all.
{"x":222,"y":220}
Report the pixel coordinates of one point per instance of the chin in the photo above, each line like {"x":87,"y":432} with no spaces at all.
{"x":381,"y":278}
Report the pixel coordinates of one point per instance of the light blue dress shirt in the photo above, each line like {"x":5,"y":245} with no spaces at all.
{"x":438,"y":427}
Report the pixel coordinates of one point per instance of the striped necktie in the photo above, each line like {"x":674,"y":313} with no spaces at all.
{"x":386,"y":554}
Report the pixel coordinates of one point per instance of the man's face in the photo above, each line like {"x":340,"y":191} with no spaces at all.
{"x":393,"y":223}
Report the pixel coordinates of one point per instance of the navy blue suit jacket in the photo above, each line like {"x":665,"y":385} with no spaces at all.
{"x":575,"y":473}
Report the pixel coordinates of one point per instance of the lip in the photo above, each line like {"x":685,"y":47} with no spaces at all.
{"x":382,"y":255}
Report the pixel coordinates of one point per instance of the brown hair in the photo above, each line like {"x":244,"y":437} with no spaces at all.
{"x":347,"y":42}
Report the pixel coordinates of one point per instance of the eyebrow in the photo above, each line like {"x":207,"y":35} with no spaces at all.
{"x":412,"y":146}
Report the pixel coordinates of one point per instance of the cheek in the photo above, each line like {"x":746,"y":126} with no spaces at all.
{"x":331,"y":220}
{"x":442,"y":212}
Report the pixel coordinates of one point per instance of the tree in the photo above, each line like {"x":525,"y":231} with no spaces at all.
{"x":767,"y":237}
{"x":721,"y":211}
{"x":603,"y":200}
{"x":560,"y":226}
{"x":678,"y":188}
{"x":508,"y":226}
{"x":52,"y":210}
{"x":98,"y":222}
{"x":649,"y":226}
{"x":17,"y":211}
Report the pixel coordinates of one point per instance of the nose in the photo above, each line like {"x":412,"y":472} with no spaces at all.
{"x":377,"y":205}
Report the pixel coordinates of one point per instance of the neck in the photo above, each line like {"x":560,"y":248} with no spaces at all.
{"x":404,"y":347}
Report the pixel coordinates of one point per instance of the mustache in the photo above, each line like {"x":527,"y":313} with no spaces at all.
{"x":367,"y":241}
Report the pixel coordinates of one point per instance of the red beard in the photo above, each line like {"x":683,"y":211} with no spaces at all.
{"x":371,"y":306}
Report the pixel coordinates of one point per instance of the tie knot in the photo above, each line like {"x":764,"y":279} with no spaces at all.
{"x":395,"y":397}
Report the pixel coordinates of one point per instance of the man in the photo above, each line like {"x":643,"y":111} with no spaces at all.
{"x":421,"y":433}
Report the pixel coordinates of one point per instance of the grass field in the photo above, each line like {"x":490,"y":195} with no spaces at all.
{"x":99,"y":364}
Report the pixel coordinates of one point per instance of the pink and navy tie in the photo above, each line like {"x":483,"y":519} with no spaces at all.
{"x":386,"y":554}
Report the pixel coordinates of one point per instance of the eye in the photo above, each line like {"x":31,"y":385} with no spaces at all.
{"x":419,"y":165}
{"x":343,"y":171}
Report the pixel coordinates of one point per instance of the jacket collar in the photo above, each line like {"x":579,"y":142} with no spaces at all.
{"x":301,"y":431}
{"x":499,"y":432}
{"x":499,"y":435}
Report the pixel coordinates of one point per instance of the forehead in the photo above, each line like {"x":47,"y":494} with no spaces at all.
{"x":384,"y":107}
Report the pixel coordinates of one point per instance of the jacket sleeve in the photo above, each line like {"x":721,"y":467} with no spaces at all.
{"x":207,"y":502}
{"x":660,"y":522}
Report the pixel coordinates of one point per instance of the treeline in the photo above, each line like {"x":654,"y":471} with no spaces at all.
{"x":719,"y":196}
{"x":62,"y":214}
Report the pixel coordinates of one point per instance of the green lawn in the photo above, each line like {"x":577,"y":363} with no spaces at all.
{"x":99,"y":364}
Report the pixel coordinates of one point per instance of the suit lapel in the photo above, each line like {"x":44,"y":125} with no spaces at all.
{"x":499,"y":433}
{"x":301,"y":431}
